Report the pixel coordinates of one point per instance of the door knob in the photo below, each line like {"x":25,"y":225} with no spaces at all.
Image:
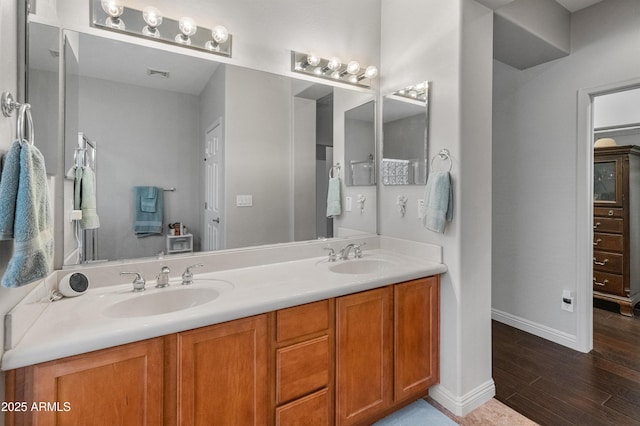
{"x":216,"y":220}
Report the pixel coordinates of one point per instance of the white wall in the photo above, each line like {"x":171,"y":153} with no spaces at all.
{"x":534,"y":174}
{"x":620,"y":108}
{"x":304,"y":169}
{"x":450,"y":44}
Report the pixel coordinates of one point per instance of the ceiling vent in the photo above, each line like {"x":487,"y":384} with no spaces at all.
{"x":157,"y":73}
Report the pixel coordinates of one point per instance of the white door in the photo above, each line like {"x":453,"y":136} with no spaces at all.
{"x":214,"y":187}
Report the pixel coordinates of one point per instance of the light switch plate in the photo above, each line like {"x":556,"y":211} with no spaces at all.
{"x":244,"y":200}
{"x":420,"y":207}
{"x":348,"y":201}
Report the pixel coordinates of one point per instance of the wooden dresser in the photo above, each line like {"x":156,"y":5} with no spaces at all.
{"x":616,"y":226}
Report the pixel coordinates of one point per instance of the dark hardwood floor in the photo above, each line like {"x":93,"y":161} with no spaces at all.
{"x":554,"y":385}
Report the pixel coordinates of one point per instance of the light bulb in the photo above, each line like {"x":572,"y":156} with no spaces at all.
{"x":220,"y":34}
{"x":335,"y":75}
{"x":334,"y":63}
{"x":187,"y":28}
{"x":353,"y":67}
{"x":112,"y":8}
{"x":371,"y":71}
{"x":153,"y":18}
{"x":313,"y":60}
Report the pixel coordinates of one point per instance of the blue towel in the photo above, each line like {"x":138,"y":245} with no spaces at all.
{"x":438,"y":202}
{"x":90,"y":218}
{"x":25,"y":215}
{"x":147,"y":223}
{"x":149,"y":200}
{"x":334,"y":206}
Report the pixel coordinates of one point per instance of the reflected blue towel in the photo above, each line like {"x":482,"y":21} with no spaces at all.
{"x":25,"y":215}
{"x":147,"y":223}
{"x":334,"y":206}
{"x":149,"y":200}
{"x":438,"y":201}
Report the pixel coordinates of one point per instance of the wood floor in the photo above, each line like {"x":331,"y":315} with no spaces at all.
{"x":553,"y":385}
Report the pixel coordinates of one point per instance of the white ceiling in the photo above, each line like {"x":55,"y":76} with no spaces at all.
{"x":570,"y":5}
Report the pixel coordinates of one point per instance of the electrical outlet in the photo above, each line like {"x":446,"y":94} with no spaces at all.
{"x":567,"y":301}
{"x":420,"y":208}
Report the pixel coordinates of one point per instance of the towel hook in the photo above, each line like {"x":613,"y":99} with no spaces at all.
{"x":8,"y":106}
{"x":334,"y":169}
{"x":444,"y":154}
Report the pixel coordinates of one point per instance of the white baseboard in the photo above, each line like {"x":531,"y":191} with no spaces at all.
{"x":463,"y":405}
{"x":556,"y":336}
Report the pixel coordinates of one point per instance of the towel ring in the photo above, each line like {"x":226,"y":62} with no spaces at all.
{"x":8,"y":106}
{"x":444,"y":155}
{"x":333,"y":170}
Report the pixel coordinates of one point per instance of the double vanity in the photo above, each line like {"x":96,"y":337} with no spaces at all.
{"x":283,"y":334}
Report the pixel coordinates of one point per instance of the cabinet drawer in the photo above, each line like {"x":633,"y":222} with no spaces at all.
{"x":608,"y":283}
{"x":608,"y":262}
{"x":609,"y":242}
{"x":311,"y":410}
{"x":602,"y":224}
{"x":302,"y":368}
{"x":607,"y":212}
{"x":302,"y":320}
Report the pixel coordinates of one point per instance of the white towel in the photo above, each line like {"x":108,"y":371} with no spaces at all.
{"x":334,"y":206}
{"x":438,"y":202}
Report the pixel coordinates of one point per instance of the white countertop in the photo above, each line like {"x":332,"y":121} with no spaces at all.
{"x":78,"y":325}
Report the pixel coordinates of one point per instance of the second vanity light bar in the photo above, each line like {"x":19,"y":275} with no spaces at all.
{"x":333,"y":69}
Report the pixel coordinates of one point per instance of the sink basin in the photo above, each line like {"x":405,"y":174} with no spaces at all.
{"x":161,"y":301}
{"x":361,"y":266}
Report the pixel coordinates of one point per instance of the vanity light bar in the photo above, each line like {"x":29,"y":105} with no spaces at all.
{"x":149,"y":23}
{"x":333,"y":69}
{"x":417,"y":92}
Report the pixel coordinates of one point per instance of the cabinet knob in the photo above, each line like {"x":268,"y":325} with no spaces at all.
{"x":610,"y":212}
{"x":595,"y":243}
{"x":596,"y":225}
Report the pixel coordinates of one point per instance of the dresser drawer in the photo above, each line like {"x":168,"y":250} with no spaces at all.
{"x":608,"y":283}
{"x":607,"y":212}
{"x":605,"y":224}
{"x":608,"y":262}
{"x":302,"y":320}
{"x":302,"y":368}
{"x":608,"y":242}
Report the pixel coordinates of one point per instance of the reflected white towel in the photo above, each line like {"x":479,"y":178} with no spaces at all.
{"x":334,"y":205}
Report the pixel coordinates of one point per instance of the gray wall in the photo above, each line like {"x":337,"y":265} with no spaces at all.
{"x":534,"y":157}
{"x":145,"y":137}
{"x":304,"y":169}
{"x":258,"y":147}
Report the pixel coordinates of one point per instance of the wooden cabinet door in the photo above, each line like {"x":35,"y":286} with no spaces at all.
{"x":222,"y":374}
{"x":416,"y":337}
{"x":364,"y":384}
{"x":115,"y":386}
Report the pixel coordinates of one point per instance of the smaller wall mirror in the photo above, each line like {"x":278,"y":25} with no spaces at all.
{"x":360,"y":145}
{"x":405,"y":136}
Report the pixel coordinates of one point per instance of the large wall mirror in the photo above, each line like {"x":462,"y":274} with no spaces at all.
{"x":241,"y":157}
{"x":405,"y":136}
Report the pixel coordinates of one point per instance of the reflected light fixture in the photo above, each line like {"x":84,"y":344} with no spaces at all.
{"x":187,"y":28}
{"x":114,"y":10}
{"x":153,"y":18}
{"x":418,"y":92}
{"x":149,"y":23}
{"x":333,"y":68}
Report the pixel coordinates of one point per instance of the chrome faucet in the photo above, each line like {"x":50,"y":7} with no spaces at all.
{"x":138,"y":281}
{"x":357,"y":252}
{"x":162,"y":280}
{"x":332,"y":254}
{"x":187,"y":275}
